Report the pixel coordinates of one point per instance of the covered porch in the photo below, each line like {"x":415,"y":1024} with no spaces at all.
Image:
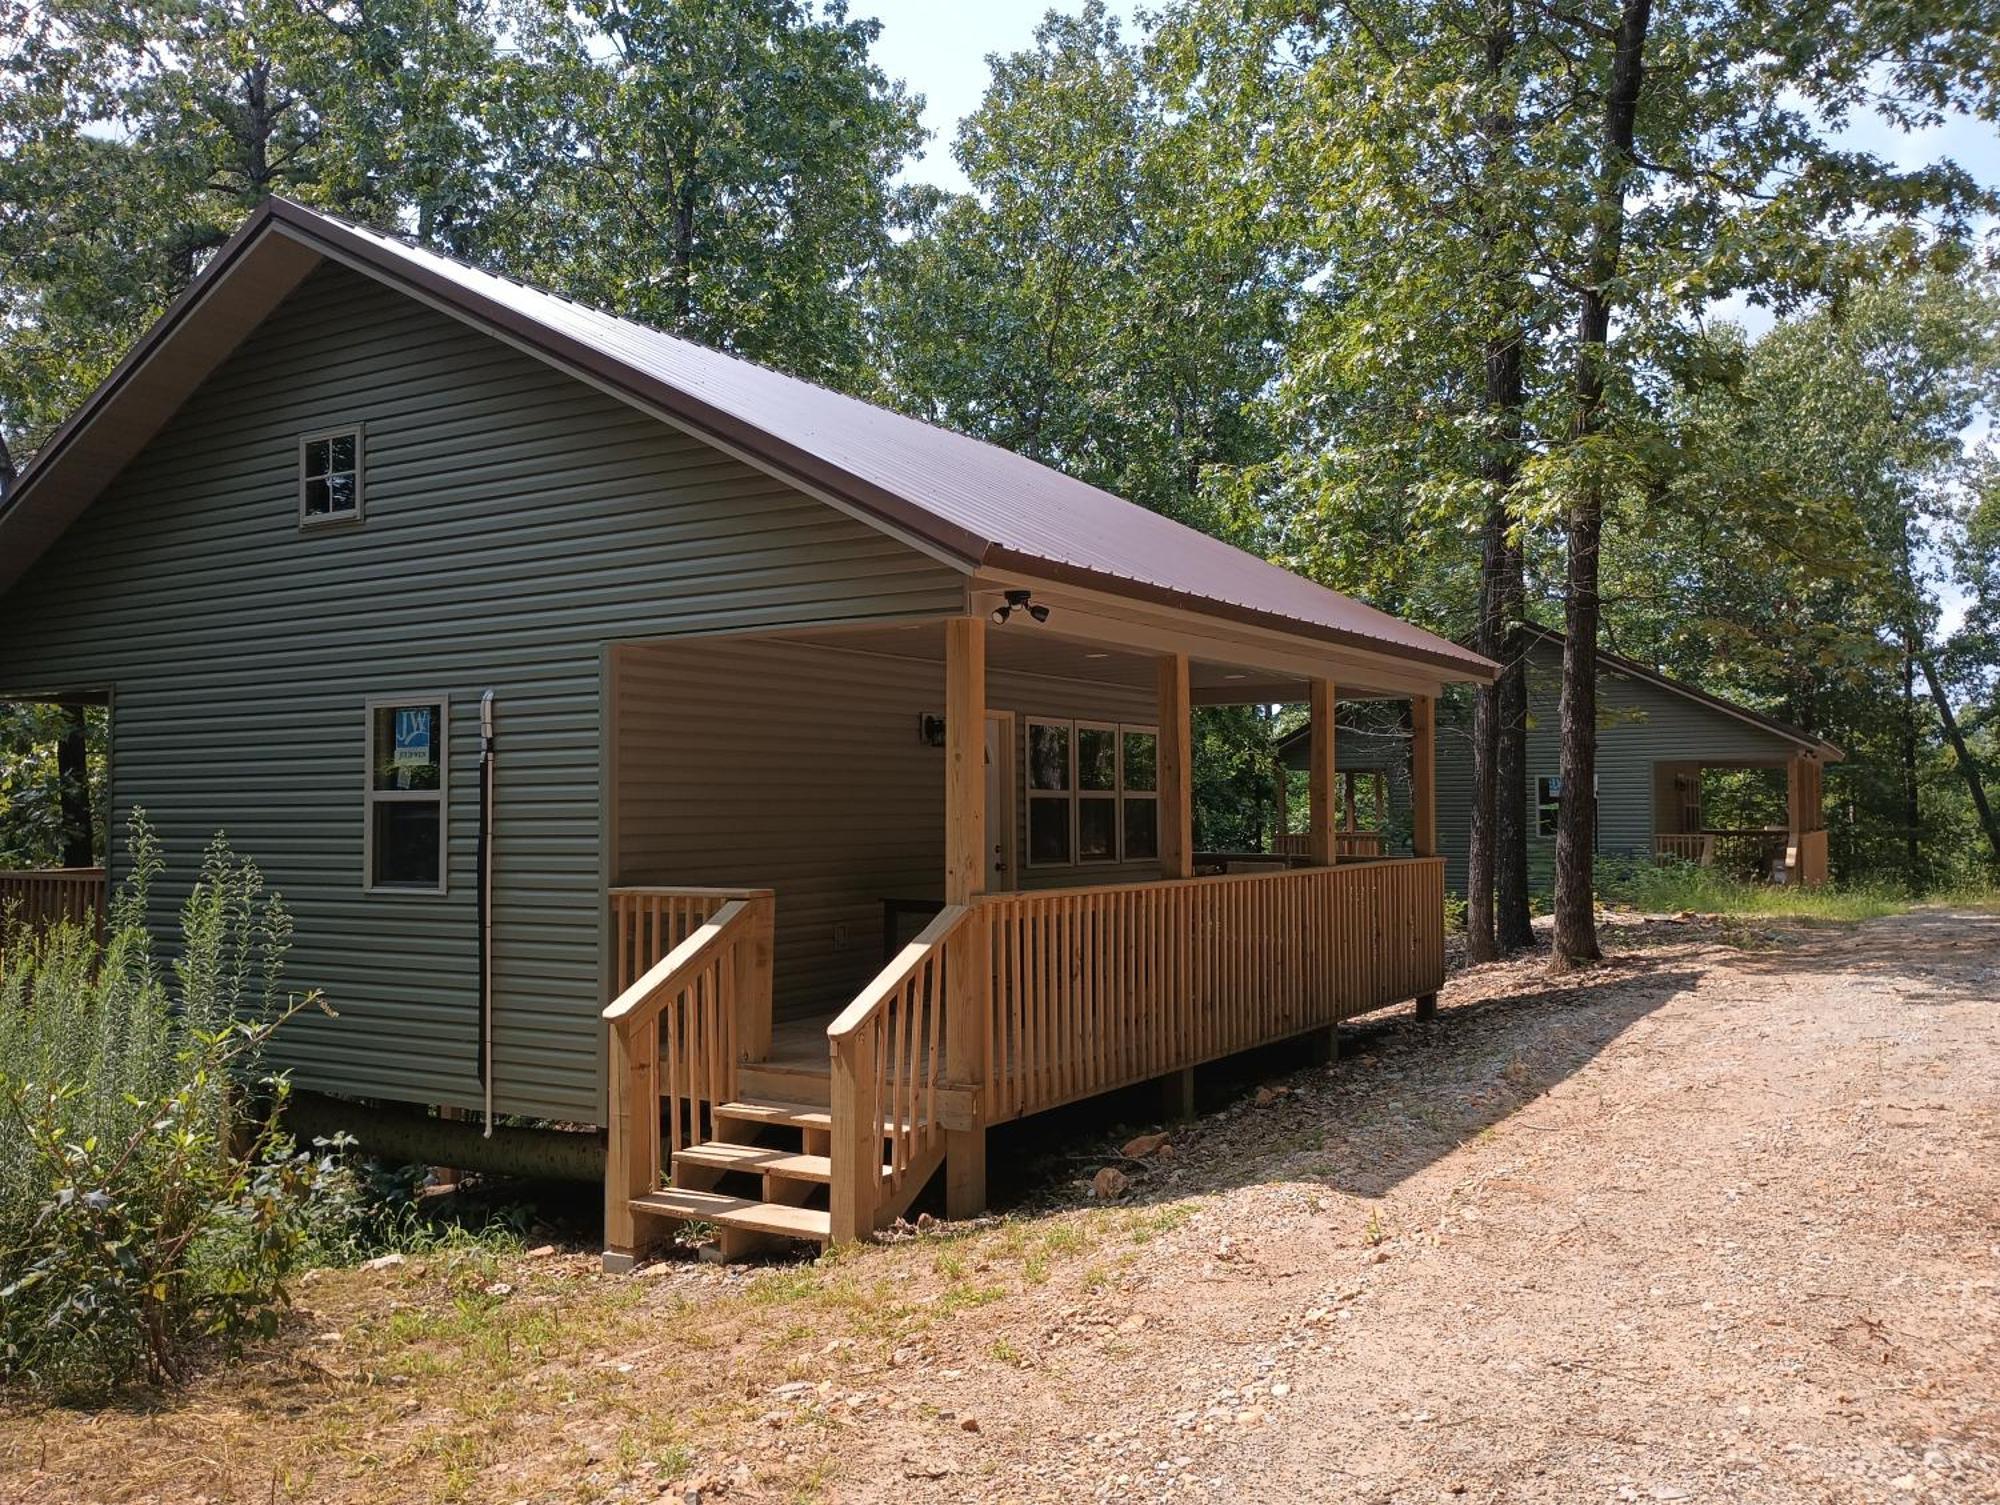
{"x":1001,"y":803}
{"x":1790,"y":847}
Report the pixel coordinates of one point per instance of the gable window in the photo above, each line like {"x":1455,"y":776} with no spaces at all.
{"x":1093,"y":793}
{"x":408,"y":771}
{"x":1548,"y":802}
{"x":330,"y":477}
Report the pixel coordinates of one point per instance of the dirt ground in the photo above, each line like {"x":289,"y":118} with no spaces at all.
{"x":1720,"y":1221}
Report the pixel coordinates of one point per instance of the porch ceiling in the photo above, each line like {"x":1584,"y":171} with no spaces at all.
{"x":1083,"y":640}
{"x":1025,"y":647}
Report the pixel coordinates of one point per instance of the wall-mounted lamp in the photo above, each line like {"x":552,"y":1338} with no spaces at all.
{"x":1018,"y":600}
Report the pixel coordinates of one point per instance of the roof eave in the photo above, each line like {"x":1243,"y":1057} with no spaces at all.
{"x":1454,"y":666}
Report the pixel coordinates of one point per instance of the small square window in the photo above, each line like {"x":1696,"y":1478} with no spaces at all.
{"x":330,"y":477}
{"x":1548,"y":803}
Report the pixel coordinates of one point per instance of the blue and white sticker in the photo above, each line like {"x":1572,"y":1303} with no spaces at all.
{"x":414,"y":737}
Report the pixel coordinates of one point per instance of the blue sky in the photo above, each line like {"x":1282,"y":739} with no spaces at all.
{"x":939,"y":48}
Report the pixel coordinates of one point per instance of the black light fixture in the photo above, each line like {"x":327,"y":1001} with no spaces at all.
{"x":1018,"y":600}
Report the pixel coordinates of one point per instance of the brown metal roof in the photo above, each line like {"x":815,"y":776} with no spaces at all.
{"x":978,"y":504}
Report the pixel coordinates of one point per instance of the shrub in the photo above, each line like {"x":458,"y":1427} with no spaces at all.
{"x":148,"y":1201}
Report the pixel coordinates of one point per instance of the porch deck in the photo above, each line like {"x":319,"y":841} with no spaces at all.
{"x":1007,"y":1005}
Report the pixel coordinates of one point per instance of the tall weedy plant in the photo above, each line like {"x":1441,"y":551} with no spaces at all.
{"x":148,"y":1201}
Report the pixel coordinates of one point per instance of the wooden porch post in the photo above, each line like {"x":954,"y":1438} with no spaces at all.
{"x":1175,"y":804}
{"x":1803,"y":802}
{"x":967,"y":988}
{"x":1321,"y":846}
{"x":1423,"y":776}
{"x":1175,"y":769}
{"x":1423,"y":798}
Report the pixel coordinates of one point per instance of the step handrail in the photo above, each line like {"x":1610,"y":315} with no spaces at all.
{"x":648,"y":994}
{"x":887,"y":1052}
{"x":676,"y":1037}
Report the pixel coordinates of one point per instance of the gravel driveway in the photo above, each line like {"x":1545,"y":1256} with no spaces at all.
{"x":1710,"y":1224}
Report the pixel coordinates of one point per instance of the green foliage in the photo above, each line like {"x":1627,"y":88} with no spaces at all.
{"x":717,"y":168}
{"x":33,"y":831}
{"x":1103,"y":300}
{"x":148,"y":1201}
{"x":135,"y":137}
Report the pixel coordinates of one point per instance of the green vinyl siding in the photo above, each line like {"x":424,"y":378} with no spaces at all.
{"x":517,"y":522}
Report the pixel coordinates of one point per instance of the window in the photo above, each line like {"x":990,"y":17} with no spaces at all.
{"x":408,"y":770}
{"x":1051,"y":757}
{"x":1548,"y":800}
{"x":1139,"y":781}
{"x":1096,"y":793}
{"x":330,"y":477}
{"x":1092,"y":793}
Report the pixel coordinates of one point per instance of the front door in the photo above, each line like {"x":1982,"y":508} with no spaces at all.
{"x":999,"y":801}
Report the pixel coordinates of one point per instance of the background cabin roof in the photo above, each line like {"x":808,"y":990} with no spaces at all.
{"x":974,"y":504}
{"x":1294,"y":742}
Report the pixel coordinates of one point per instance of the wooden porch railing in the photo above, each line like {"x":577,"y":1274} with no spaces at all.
{"x":1706,"y":848}
{"x":680,"y":1027}
{"x":889,"y":1060}
{"x":42,"y":897}
{"x":1345,"y":844}
{"x":1095,"y":988}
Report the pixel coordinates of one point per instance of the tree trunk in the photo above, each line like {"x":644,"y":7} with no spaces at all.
{"x":1513,"y":919}
{"x":1576,"y":814}
{"x":1501,"y":409}
{"x":1973,"y":782}
{"x":1498,"y":613}
{"x":1912,"y":816}
{"x":73,"y":789}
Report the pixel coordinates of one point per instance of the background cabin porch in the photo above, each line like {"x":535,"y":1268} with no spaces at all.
{"x":773,"y":795}
{"x":1789,"y":850}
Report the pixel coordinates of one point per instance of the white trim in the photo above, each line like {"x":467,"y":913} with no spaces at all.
{"x":371,"y":796}
{"x":358,"y":431}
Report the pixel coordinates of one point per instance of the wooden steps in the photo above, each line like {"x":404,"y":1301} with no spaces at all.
{"x":739,"y":1213}
{"x":796,"y":1082}
{"x":786,"y":1115}
{"x":756,"y":1159}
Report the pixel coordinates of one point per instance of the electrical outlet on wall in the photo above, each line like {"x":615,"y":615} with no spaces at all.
{"x":840,"y":938}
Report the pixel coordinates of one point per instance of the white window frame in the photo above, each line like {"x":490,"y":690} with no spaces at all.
{"x":1068,"y":795}
{"x":1124,"y":794}
{"x":1076,"y":794}
{"x":358,"y":433}
{"x":1115,"y":794}
{"x":371,"y":796}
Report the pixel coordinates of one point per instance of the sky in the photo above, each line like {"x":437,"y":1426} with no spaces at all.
{"x":939,"y":48}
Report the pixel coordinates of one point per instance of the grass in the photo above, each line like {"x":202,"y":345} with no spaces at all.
{"x":1674,"y":887}
{"x":476,"y":1371}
